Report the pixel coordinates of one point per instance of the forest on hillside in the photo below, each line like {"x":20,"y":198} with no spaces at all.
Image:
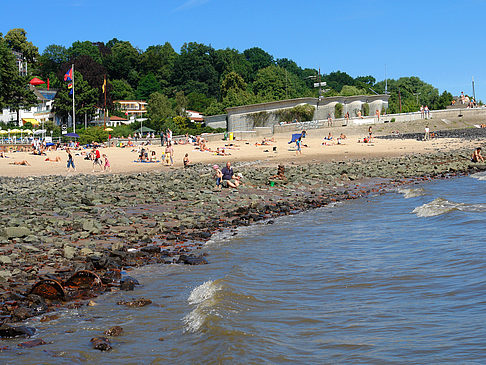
{"x":197,"y":77}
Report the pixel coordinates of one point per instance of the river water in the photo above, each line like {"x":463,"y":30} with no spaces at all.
{"x":396,"y":278}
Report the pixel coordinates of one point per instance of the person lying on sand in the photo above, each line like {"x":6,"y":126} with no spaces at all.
{"x":23,"y":163}
{"x":50,"y":159}
{"x":476,"y":156}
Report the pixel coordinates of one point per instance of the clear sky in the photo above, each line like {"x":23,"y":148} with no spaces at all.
{"x":440,"y":41}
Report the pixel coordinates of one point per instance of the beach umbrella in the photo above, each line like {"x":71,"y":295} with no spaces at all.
{"x":15,"y":131}
{"x":36,"y":81}
{"x":28,"y":131}
{"x":3,"y":132}
{"x":75,"y":135}
{"x":109,"y":129}
{"x":34,"y":122}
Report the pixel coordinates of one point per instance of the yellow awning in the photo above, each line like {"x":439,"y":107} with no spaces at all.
{"x":31,"y":121}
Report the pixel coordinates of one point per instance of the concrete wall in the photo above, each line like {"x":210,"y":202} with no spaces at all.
{"x":242,"y":118}
{"x":216,"y":121}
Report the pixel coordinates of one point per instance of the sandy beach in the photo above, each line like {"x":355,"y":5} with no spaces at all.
{"x":122,"y":160}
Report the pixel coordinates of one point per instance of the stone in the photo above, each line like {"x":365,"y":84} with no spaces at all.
{"x":114,"y":331}
{"x":100,"y":343}
{"x":69,"y":252}
{"x":32,"y":343}
{"x":8,"y":331}
{"x":128,"y":283}
{"x":16,"y":232}
{"x":141,"y":302}
{"x":29,"y":248}
{"x":5,"y":260}
{"x":5,"y":274}
{"x":86,"y":251}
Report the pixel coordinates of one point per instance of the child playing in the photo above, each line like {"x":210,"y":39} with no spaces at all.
{"x":107,"y":165}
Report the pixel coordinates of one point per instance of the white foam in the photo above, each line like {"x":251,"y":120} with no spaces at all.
{"x":411,"y":193}
{"x":481,"y":176}
{"x":442,"y":206}
{"x":203,"y":298}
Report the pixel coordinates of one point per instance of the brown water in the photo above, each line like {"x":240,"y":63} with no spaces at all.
{"x":398,"y":278}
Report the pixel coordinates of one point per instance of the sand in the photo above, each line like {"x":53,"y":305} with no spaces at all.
{"x":122,"y":159}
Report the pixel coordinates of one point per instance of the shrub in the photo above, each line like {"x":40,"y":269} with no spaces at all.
{"x":392,"y":120}
{"x":96,"y":134}
{"x":365,"y":109}
{"x":300,"y":112}
{"x":338,"y":110}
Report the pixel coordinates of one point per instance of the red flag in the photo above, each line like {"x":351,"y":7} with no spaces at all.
{"x":47,"y":84}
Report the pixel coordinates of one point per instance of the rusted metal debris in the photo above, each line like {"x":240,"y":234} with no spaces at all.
{"x":84,"y":279}
{"x":48,"y":289}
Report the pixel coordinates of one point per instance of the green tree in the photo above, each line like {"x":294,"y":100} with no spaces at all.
{"x":85,"y":48}
{"x":348,"y":90}
{"x":147,"y":86}
{"x":159,"y":108}
{"x":17,"y":40}
{"x":198,"y":101}
{"x":194,"y":70}
{"x":8,"y":71}
{"x":258,"y":59}
{"x":181,"y":103}
{"x":336,"y":80}
{"x":275,"y":83}
{"x":159,"y":60}
{"x":52,"y":58}
{"x":85,"y":98}
{"x":230,"y":60}
{"x":122,"y":90}
{"x":232,"y":81}
{"x":123,"y":62}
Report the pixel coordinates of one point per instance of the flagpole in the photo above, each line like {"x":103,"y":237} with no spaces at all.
{"x":74,"y":111}
{"x":104,"y":114}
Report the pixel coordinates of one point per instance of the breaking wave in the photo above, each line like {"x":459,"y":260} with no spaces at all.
{"x":204,"y":300}
{"x":442,"y":206}
{"x":481,"y":176}
{"x":411,"y":192}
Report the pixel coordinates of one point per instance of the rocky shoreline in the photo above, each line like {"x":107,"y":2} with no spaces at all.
{"x":65,"y":240}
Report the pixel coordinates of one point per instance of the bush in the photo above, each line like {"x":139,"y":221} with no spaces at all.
{"x":300,"y":112}
{"x":392,"y":120}
{"x":96,"y":134}
{"x":338,"y":110}
{"x":365,"y":109}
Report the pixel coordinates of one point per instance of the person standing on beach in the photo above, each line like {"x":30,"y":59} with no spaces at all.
{"x":427,"y":133}
{"x":329,"y":120}
{"x":427,"y":112}
{"x":97,"y":159}
{"x":298,"y":142}
{"x":422,"y":114}
{"x":70,"y":161}
{"x":370,"y":133}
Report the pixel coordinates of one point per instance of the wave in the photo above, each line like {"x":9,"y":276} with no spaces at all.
{"x":442,"y":206}
{"x":204,"y":299}
{"x":411,"y":192}
{"x":481,"y":176}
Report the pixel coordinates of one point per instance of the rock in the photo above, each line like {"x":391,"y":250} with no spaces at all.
{"x":85,"y":251}
{"x":7,"y":331}
{"x":101,"y":343}
{"x":92,"y":303}
{"x":48,"y":317}
{"x":128,"y":283}
{"x":117,"y":246}
{"x":5,"y":274}
{"x":192,"y":260}
{"x":22,"y":313}
{"x":150,"y":249}
{"x":16,"y":232}
{"x":114,"y":331}
{"x":32,"y":343}
{"x":69,"y":252}
{"x":29,"y":248}
{"x":5,"y":260}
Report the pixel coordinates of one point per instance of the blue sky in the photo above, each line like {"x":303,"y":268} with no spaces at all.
{"x":440,"y":41}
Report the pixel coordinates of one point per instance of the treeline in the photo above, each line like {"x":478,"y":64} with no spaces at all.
{"x":198,"y":77}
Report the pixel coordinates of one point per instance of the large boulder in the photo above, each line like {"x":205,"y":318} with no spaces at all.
{"x":16,"y":232}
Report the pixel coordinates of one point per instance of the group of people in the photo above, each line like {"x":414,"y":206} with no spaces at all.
{"x":226,"y":178}
{"x":424,"y":112}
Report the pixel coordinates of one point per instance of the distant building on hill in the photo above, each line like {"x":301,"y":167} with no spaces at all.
{"x":42,"y":112}
{"x":132,"y":108}
{"x":194,"y":116}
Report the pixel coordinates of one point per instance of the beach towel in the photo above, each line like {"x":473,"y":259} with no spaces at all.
{"x":295,"y":137}
{"x":146,"y":161}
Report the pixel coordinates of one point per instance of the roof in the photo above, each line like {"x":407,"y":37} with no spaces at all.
{"x":116,"y":118}
{"x":130,"y":101}
{"x":145,"y":129}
